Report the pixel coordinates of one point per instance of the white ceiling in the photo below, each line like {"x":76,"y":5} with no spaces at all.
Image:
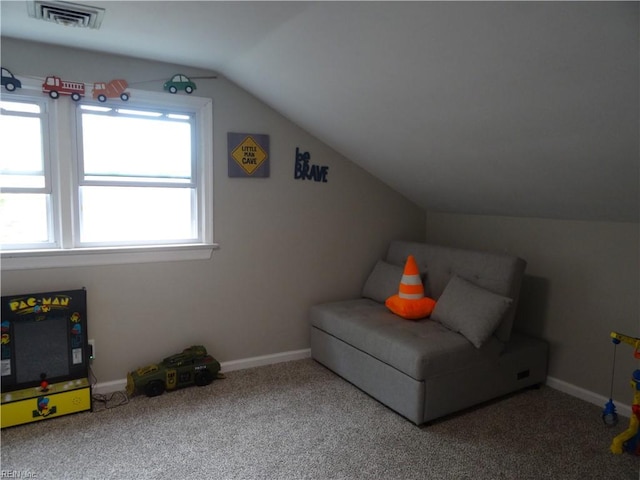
{"x":502,"y":108}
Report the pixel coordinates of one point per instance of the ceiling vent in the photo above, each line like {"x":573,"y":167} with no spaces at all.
{"x":68,"y":14}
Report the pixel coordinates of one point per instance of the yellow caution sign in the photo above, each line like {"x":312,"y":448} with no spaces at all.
{"x":249,"y":155}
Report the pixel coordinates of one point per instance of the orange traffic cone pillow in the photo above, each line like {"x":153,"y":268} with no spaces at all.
{"x":410,"y":301}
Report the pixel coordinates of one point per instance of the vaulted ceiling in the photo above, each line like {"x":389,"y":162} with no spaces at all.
{"x":500,"y":108}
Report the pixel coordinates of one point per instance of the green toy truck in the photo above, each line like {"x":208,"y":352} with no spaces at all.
{"x":191,"y":367}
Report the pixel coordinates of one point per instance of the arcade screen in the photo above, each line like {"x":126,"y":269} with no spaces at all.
{"x":41,"y":347}
{"x":43,"y":337}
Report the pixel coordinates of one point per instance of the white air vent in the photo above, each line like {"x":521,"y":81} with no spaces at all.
{"x":66,"y":13}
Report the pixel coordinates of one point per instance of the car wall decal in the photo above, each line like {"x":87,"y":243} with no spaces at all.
{"x":9,"y":81}
{"x":55,"y":86}
{"x":179,"y":82}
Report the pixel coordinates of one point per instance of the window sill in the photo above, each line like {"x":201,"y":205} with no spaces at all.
{"x":81,"y":257}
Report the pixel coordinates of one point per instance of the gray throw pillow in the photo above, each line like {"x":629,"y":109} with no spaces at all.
{"x":471,"y":310}
{"x":383,"y":281}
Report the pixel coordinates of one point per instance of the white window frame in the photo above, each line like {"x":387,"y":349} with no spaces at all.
{"x":62,"y":153}
{"x":47,"y":167}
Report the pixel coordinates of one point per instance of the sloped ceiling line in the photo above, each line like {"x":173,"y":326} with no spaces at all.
{"x":505,"y":108}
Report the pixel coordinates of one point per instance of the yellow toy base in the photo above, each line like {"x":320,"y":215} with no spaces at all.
{"x":33,"y":404}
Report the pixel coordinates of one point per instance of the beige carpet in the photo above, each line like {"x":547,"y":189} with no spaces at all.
{"x":297,"y":420}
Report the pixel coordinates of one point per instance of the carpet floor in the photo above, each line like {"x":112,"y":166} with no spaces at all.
{"x":297,"y":420}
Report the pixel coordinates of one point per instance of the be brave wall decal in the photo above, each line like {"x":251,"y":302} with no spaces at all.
{"x":248,"y":154}
{"x":305,"y":170}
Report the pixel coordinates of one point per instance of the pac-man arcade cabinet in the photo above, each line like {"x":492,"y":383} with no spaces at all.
{"x":44,"y":362}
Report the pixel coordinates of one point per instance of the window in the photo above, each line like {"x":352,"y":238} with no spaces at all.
{"x":104,"y":182}
{"x":137,"y":176}
{"x":25,"y":201}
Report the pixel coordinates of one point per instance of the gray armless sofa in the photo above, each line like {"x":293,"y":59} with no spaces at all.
{"x":465,"y":353}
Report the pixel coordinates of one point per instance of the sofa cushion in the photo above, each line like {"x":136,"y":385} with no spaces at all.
{"x":420,"y":349}
{"x":382,"y":281}
{"x":497,"y":272}
{"x":471,"y":310}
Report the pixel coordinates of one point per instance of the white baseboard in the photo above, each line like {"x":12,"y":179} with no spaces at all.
{"x":587,"y":395}
{"x":265,"y":360}
{"x":573,"y":390}
{"x":109,"y":387}
{"x":117,"y":385}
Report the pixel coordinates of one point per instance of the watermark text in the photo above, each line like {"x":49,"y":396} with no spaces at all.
{"x":18,"y":474}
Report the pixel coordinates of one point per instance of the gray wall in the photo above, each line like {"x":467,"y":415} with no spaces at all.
{"x":582,"y":282}
{"x":284,"y":243}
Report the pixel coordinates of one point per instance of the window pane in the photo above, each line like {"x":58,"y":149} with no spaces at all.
{"x":20,"y":107}
{"x":136,"y":214}
{"x":121,"y":146}
{"x":21,"y":163}
{"x":24,"y":218}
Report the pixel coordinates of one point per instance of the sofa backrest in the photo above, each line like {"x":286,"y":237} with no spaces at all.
{"x":497,"y":272}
